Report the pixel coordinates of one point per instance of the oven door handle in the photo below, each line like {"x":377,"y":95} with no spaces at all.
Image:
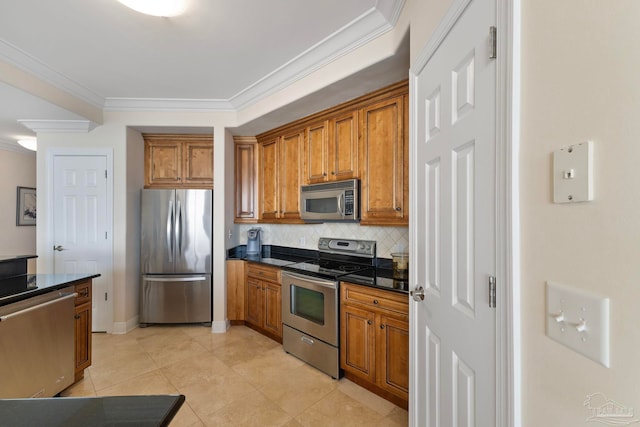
{"x":304,"y":278}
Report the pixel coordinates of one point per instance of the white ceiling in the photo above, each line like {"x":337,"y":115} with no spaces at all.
{"x":221,"y":54}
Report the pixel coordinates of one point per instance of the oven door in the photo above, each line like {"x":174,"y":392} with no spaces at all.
{"x":310,"y":305}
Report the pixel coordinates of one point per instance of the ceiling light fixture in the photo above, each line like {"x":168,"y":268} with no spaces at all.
{"x":164,"y":8}
{"x":29,"y":144}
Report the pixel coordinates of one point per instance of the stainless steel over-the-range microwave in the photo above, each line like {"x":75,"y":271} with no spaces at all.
{"x":331,"y":201}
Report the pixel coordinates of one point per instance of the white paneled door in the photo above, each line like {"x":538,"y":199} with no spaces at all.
{"x":81,"y":230}
{"x":453,"y":339}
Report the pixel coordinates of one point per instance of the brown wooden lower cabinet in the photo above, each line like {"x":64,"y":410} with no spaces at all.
{"x":263,"y":305}
{"x":82,"y":328}
{"x":374,"y":340}
{"x":236,"y":279}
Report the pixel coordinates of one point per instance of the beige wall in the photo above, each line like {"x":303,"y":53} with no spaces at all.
{"x":580,"y":81}
{"x":16,"y":170}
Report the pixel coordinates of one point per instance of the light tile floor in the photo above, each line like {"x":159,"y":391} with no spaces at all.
{"x":239,"y":378}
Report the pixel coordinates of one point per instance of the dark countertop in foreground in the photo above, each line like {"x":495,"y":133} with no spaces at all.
{"x":139,"y":411}
{"x":18,"y":288}
{"x":381,"y":277}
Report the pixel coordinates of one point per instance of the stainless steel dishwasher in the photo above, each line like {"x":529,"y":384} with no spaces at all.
{"x":37,"y":345}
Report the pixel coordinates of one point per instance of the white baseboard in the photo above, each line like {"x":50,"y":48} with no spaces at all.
{"x":125,"y":327}
{"x":220,"y":327}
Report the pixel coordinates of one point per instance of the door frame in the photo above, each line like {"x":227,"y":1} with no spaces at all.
{"x":508,"y":351}
{"x":50,"y":264}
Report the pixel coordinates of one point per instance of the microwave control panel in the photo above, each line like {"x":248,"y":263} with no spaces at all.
{"x":348,"y":202}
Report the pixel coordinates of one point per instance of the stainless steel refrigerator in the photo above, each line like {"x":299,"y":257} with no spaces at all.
{"x":175,"y":256}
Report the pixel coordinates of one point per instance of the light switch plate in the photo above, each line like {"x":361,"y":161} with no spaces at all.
{"x":579,"y":320}
{"x":573,"y":173}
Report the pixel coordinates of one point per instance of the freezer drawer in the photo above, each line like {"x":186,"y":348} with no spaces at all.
{"x":175,"y":299}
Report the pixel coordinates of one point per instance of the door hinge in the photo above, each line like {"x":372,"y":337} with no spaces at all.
{"x":493,"y":42}
{"x":105,"y":174}
{"x":105,"y":296}
{"x":492,"y":291}
{"x":106,"y":237}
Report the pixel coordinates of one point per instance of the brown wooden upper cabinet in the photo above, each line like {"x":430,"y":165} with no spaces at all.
{"x":279,"y":180}
{"x":246,"y":179}
{"x":365,"y":138}
{"x":331,"y":149}
{"x":384,"y":162}
{"x":174,"y":161}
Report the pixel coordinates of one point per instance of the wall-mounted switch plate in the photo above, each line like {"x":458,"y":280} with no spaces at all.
{"x":573,"y":173}
{"x":579,"y":320}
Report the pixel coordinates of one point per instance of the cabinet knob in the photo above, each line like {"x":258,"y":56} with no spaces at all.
{"x":398,"y":208}
{"x":77,"y":316}
{"x":381,"y":326}
{"x":324,"y":174}
{"x":333,"y":173}
{"x":369,"y":322}
{"x":375,"y":301}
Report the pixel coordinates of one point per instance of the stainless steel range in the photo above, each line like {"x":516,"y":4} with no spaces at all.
{"x":310,"y":300}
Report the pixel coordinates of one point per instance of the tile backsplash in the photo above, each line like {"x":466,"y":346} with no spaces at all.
{"x":305,"y":236}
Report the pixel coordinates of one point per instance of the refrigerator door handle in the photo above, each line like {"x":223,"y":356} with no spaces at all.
{"x":176,"y":279}
{"x":179,"y":228}
{"x":170,"y":221}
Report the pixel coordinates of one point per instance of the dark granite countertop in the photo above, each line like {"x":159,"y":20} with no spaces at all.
{"x":5,"y":258}
{"x":139,"y":411}
{"x":18,"y":288}
{"x":380,"y":277}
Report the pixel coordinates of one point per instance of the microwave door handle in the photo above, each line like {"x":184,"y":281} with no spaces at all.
{"x":340,"y":204}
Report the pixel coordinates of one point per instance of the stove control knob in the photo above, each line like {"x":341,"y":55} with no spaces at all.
{"x":361,"y":246}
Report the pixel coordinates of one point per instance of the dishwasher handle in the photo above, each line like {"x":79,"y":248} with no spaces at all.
{"x":36,"y":307}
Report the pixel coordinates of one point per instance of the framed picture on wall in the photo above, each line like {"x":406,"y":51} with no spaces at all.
{"x":26,"y":206}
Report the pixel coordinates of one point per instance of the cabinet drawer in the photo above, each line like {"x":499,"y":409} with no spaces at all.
{"x":263,"y":273}
{"x":84,"y":292}
{"x":374,"y":298}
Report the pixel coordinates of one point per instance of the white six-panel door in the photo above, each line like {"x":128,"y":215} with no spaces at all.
{"x":80,"y":220}
{"x":453,"y":339}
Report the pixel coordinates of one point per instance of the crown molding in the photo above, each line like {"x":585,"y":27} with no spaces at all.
{"x":22,"y":60}
{"x":390,"y":10}
{"x":167,"y":104}
{"x":358,"y":32}
{"x":370,"y":25}
{"x":55,"y":126}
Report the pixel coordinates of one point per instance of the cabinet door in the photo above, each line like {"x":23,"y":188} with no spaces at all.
{"x":272,"y":308}
{"x":269,"y":163}
{"x":82,"y":331}
{"x":343,"y":147}
{"x":163,"y":163}
{"x":290,"y":172}
{"x":198,"y":163}
{"x":235,"y":289}
{"x":383,"y":158}
{"x":316,"y":154}
{"x":392,"y":370}
{"x":246,"y":173}
{"x":254,"y":302}
{"x":357,"y":346}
